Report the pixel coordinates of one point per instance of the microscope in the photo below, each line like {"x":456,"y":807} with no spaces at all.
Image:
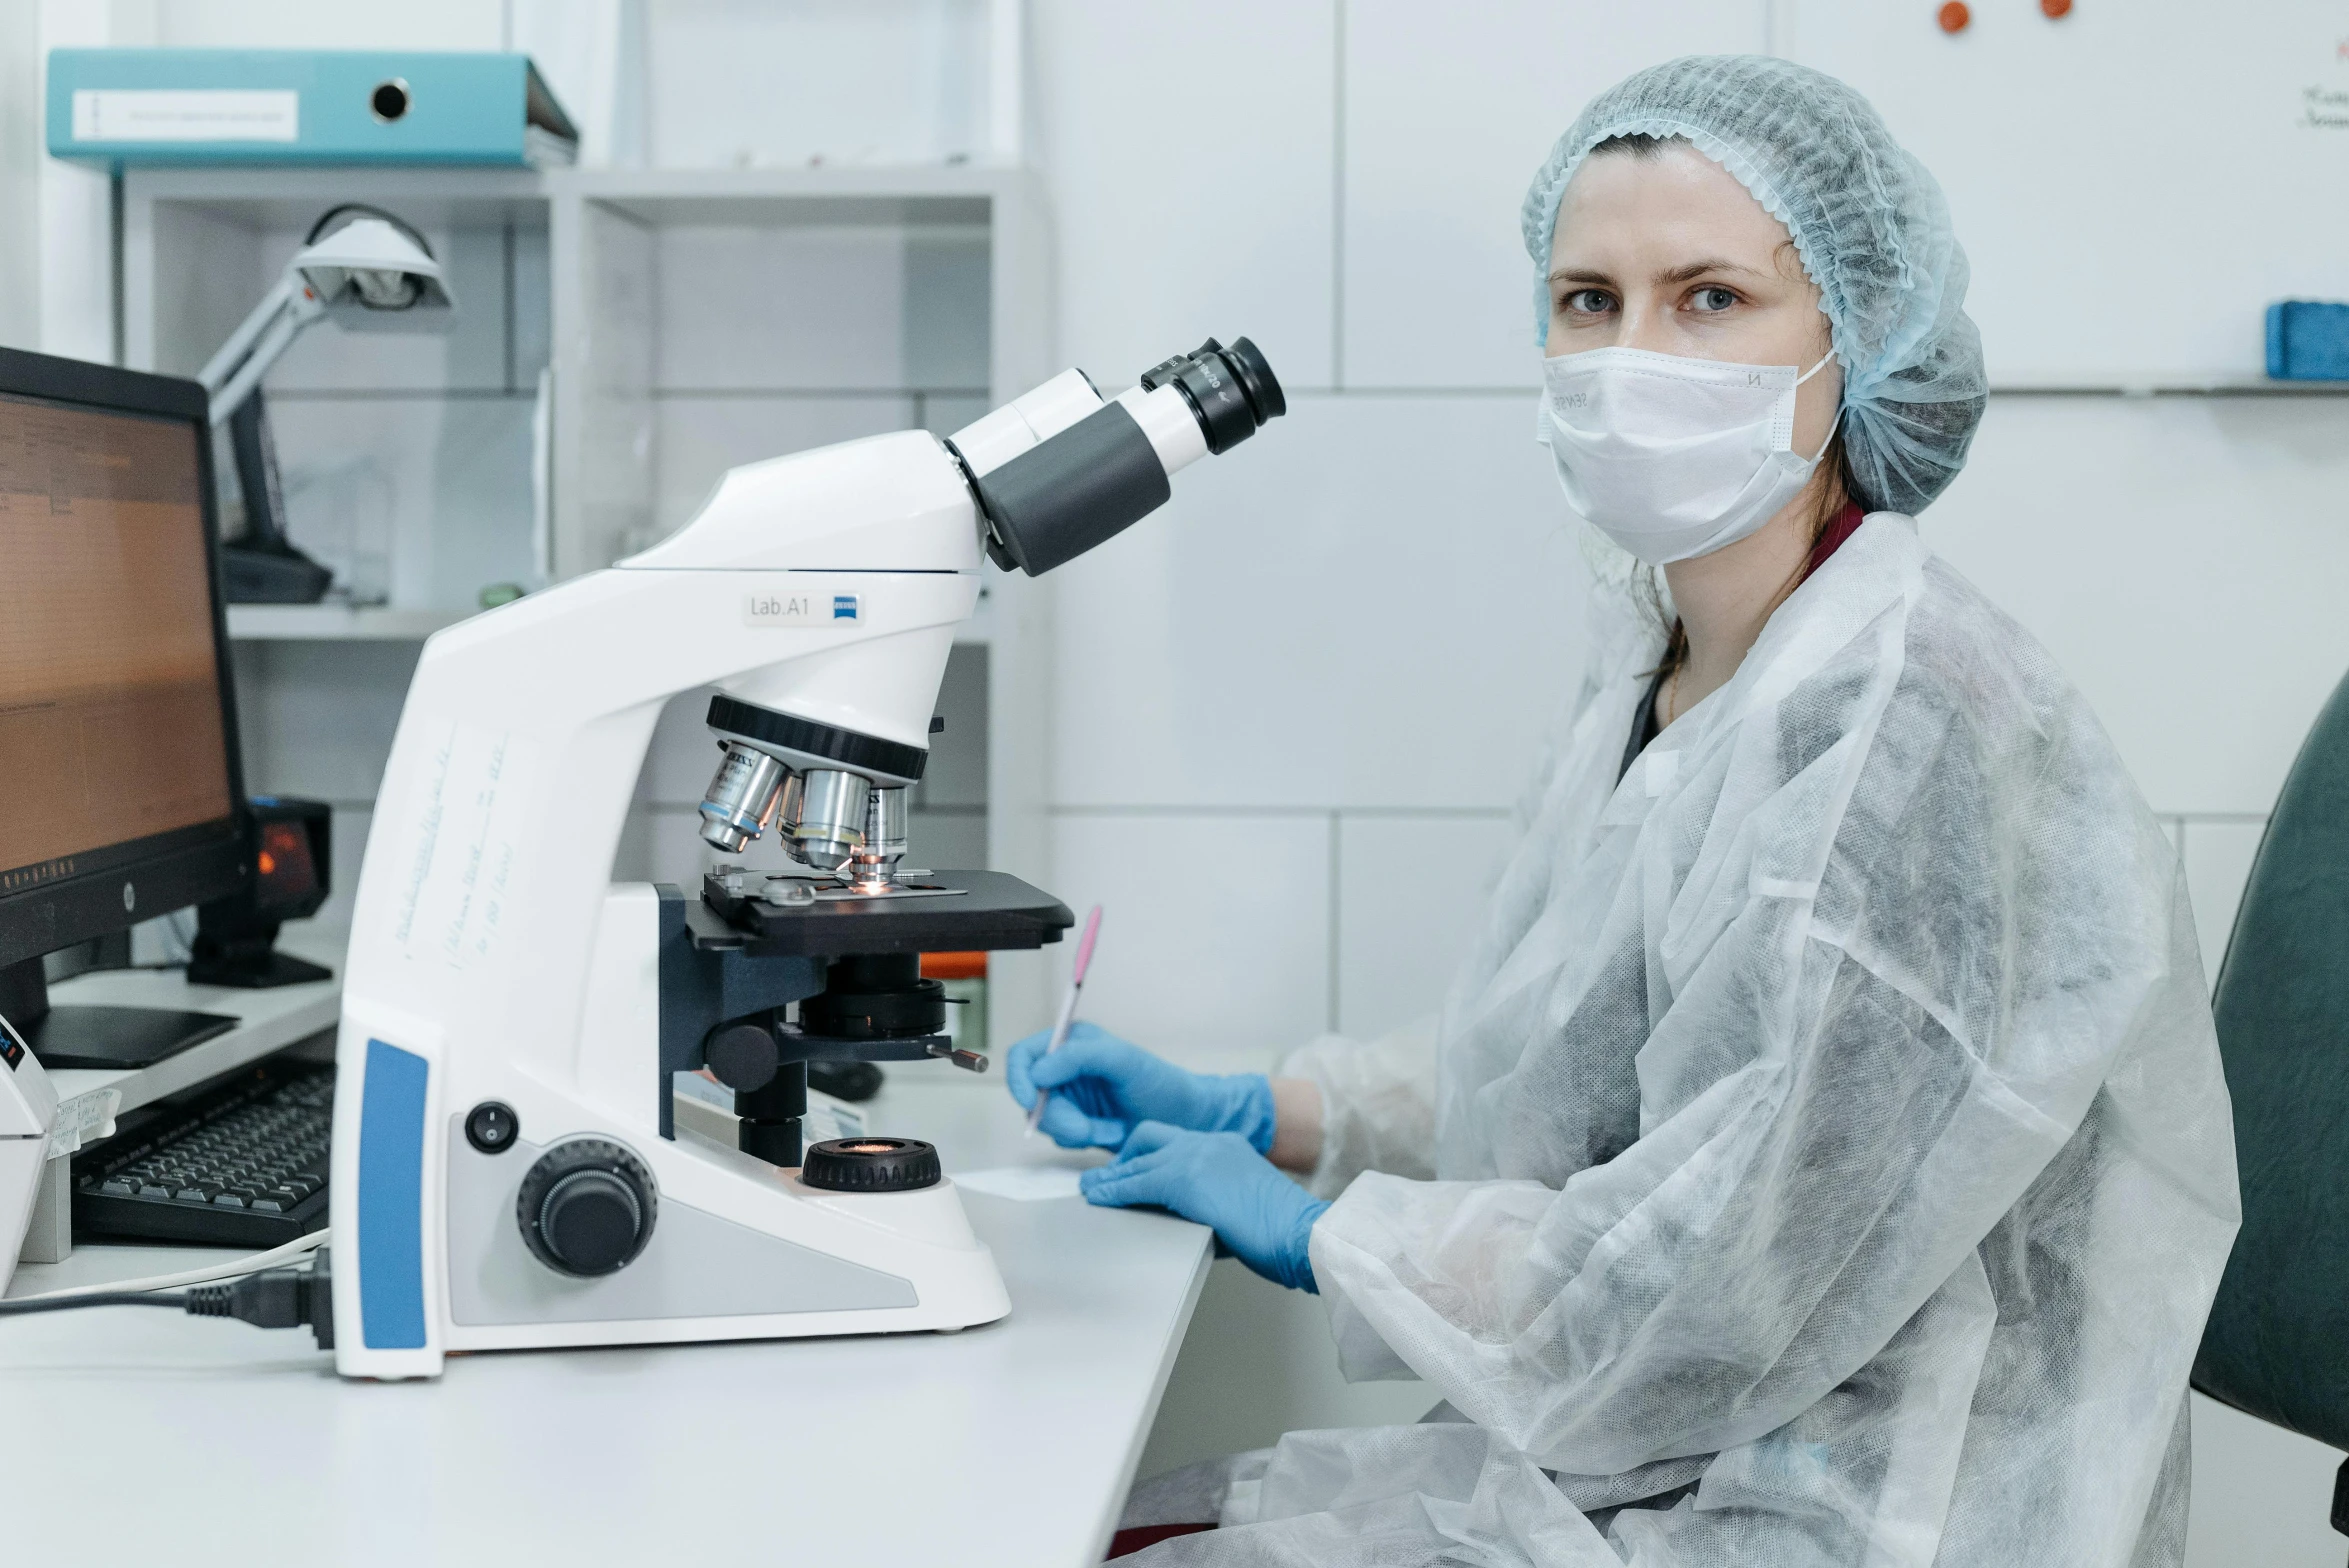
{"x":508,"y":1168}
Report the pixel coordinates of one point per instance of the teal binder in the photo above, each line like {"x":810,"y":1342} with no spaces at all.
{"x":303,"y":106}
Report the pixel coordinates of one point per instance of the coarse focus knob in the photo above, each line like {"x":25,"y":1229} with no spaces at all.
{"x":587,"y":1207}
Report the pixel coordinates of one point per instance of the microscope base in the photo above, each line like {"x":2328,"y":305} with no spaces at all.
{"x":702,"y":1276}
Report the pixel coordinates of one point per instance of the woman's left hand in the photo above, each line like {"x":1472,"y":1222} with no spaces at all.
{"x":1219,"y":1180}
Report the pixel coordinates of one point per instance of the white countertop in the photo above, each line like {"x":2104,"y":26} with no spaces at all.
{"x":136,"y":1434}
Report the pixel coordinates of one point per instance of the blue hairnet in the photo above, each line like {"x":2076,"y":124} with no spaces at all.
{"x":1869,"y":223}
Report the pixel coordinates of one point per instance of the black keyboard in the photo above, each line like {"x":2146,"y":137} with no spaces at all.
{"x":238,"y":1163}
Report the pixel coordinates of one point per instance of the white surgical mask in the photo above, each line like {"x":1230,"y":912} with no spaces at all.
{"x":1673,"y":457}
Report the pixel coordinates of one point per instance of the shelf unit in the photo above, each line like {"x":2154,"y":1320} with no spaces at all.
{"x":334,"y":623}
{"x":631,"y":288}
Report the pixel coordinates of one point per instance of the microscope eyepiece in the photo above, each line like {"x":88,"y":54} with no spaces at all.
{"x":1232,"y":391}
{"x":1090,"y":480}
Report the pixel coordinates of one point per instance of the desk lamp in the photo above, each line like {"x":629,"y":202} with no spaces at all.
{"x":369,"y":272}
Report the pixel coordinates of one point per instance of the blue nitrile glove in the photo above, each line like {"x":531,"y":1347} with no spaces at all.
{"x":1103,"y":1088}
{"x":1218,"y":1180}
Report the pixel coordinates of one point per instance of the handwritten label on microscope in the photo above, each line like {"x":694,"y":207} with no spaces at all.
{"x":802,"y":607}
{"x":463,"y":845}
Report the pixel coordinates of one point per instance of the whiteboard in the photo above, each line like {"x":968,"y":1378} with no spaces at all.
{"x":2134,"y":184}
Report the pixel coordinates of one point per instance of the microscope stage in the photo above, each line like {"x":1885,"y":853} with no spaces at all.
{"x":991,"y":912}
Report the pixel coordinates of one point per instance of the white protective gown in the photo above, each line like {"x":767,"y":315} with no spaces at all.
{"x":1824,"y":1156}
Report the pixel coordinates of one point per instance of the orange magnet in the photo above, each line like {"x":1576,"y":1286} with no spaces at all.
{"x":1956,"y":16}
{"x":2055,"y":10}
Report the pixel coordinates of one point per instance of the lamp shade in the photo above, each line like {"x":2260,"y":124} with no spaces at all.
{"x":371,"y":277}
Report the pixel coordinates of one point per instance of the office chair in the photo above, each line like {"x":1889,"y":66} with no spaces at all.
{"x":2277,"y":1345}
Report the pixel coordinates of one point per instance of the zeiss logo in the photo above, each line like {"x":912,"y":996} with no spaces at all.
{"x":767,"y":608}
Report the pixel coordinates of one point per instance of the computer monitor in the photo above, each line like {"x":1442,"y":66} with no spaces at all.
{"x":122,"y":796}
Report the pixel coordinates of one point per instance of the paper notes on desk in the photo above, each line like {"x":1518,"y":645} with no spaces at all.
{"x":1021,"y":1183}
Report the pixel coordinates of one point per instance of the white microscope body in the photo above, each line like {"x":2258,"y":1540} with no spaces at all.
{"x":509,"y":1028}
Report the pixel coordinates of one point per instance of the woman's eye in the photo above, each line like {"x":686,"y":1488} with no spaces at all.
{"x":1588,"y":302}
{"x":1713,"y":299}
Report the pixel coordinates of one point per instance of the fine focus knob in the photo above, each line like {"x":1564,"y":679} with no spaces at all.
{"x":587,"y":1207}
{"x":870,"y":1165}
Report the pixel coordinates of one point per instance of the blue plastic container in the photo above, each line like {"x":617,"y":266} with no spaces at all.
{"x":2308,"y":341}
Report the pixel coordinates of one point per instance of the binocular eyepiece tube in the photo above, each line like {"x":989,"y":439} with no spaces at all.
{"x":1093,"y":476}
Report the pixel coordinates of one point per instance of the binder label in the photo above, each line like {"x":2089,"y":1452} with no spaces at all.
{"x":185,"y":115}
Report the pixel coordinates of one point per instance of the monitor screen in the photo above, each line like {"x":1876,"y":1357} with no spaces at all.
{"x":111,"y":718}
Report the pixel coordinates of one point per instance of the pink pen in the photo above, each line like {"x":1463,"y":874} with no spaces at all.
{"x":1068,"y":1009}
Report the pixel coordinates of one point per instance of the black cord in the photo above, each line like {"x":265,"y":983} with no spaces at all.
{"x":274,"y":1298}
{"x":103,"y":1298}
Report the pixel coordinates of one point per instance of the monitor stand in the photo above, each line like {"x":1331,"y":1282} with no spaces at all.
{"x":103,"y":1037}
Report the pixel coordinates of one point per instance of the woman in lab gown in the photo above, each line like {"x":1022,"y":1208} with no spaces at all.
{"x":1822,"y":1156}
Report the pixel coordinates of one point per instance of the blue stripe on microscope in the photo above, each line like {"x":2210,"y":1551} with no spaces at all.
{"x":391,"y":1199}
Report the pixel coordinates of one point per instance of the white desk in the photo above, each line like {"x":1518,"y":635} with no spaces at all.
{"x":270,"y":1020}
{"x":139,"y":1435}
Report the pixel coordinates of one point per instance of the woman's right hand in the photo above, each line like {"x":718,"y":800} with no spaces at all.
{"x":1104,"y":1087}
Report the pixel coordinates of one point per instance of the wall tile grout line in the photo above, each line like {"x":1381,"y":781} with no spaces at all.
{"x":1337,"y":205}
{"x":398,"y":394}
{"x":1497,"y":390}
{"x":1414,"y":813}
{"x":1337,"y":908}
{"x":714,"y":394}
{"x":507,"y":239}
{"x":660,"y":394}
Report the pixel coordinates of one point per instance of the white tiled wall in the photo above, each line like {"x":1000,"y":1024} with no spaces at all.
{"x":1375,"y":602}
{"x":1215,"y":931}
{"x":1448,"y":112}
{"x":809,"y":80}
{"x":2183,"y":559}
{"x":1191,"y":155}
{"x":1410,"y":898}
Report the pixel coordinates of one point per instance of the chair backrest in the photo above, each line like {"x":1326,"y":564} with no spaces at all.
{"x":2278,"y":1341}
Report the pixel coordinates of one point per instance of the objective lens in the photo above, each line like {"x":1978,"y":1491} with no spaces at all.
{"x":884,"y":845}
{"x":741,"y":799}
{"x":831,"y":817}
